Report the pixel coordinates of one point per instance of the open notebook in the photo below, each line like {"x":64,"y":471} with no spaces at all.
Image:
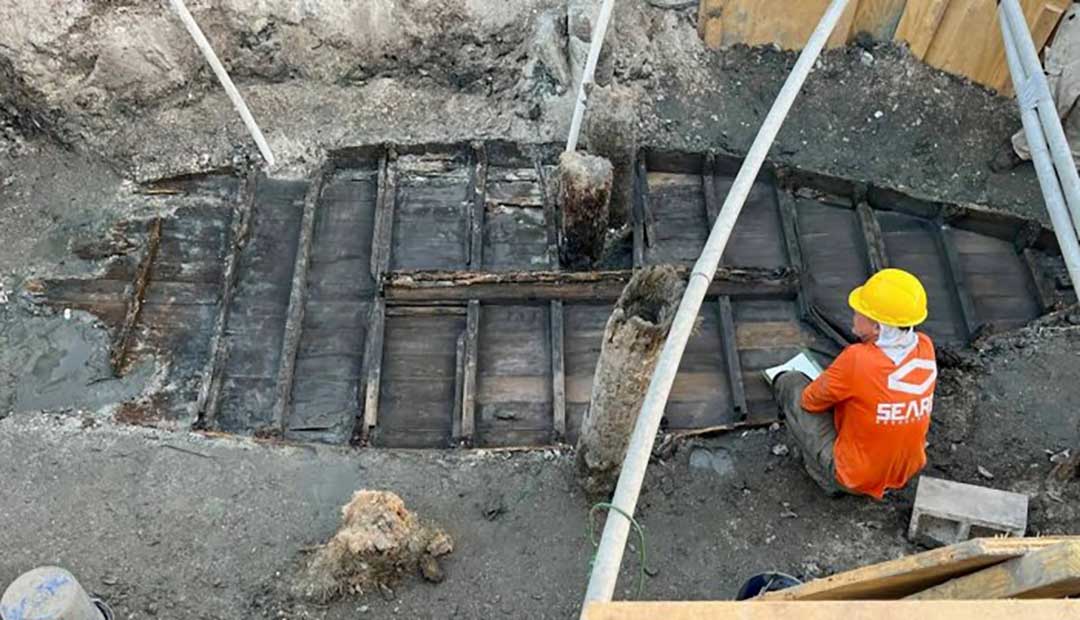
{"x":803,"y":362}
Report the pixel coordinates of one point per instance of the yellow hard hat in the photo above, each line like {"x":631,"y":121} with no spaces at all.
{"x":891,"y":297}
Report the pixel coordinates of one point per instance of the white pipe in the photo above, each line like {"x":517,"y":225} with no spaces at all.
{"x":1015,"y":26}
{"x":223,"y":77}
{"x":605,"y":570}
{"x":598,"y":32}
{"x":1040,"y":157}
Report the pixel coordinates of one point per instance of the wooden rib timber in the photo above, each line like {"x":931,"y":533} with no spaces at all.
{"x":294,"y":318}
{"x":872,"y":238}
{"x":210,"y":386}
{"x":731,"y":357}
{"x":472,"y":354}
{"x":407,"y":286}
{"x":955,"y":277}
{"x":118,"y":355}
{"x":558,"y":370}
{"x":478,"y":195}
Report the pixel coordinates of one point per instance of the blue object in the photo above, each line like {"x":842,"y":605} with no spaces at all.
{"x":765,"y":582}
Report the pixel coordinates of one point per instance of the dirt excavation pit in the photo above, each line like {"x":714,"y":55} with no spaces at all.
{"x":221,"y":353}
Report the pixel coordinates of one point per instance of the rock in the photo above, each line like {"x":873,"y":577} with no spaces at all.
{"x":718,"y":461}
{"x":549,"y":47}
{"x":780,"y":449}
{"x":672,"y":4}
{"x":386,"y":591}
{"x":430,"y":569}
{"x":1060,"y":457}
{"x":985,"y":473}
{"x":494,"y":507}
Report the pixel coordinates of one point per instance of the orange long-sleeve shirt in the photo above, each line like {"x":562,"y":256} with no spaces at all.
{"x":882,"y":414}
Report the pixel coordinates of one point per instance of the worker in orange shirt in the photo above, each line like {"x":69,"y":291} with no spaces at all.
{"x":861,"y":426}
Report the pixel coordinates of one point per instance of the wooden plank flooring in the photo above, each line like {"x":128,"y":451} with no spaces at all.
{"x":435,"y":312}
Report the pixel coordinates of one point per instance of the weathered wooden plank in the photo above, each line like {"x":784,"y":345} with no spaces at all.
{"x":708,"y":186}
{"x":409,"y":286}
{"x":459,"y":386}
{"x":790,"y":224}
{"x":878,"y":18}
{"x":914,"y":573}
{"x":558,"y":370}
{"x":919,"y":24}
{"x":210,"y":385}
{"x":372,"y":368}
{"x":477,"y":208}
{"x":729,"y":342}
{"x":644,"y":204}
{"x":385,"y":200}
{"x":872,"y":239}
{"x":122,"y":342}
{"x":955,"y":277}
{"x":468,"y":396}
{"x":1041,"y":286}
{"x":1053,"y":572}
{"x":641,"y":190}
{"x":294,"y":319}
{"x":830,"y":610}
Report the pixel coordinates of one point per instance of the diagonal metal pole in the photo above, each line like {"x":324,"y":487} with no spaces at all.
{"x":223,"y":77}
{"x":1027,"y":83}
{"x":605,"y":570}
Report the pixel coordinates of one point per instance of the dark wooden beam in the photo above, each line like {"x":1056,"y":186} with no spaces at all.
{"x":730,"y":345}
{"x":294,"y":317}
{"x":477,"y":205}
{"x":385,"y":201}
{"x":1041,"y":287}
{"x":459,"y":389}
{"x":641,"y":190}
{"x":790,"y":224}
{"x":558,"y":371}
{"x":955,"y":278}
{"x":371,"y":375}
{"x":551,"y":214}
{"x":446,"y":286}
{"x":708,"y":186}
{"x":120,"y":346}
{"x":648,"y":230}
{"x":873,"y":241}
{"x":206,"y":405}
{"x":472,"y":354}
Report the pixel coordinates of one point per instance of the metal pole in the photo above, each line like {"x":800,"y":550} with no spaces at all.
{"x":1040,"y":157}
{"x":223,"y":77}
{"x":1034,"y":91}
{"x":605,"y":570}
{"x":597,"y":42}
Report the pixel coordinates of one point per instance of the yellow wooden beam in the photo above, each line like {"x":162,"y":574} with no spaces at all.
{"x":833,"y":610}
{"x":1053,"y":572}
{"x":914,"y":573}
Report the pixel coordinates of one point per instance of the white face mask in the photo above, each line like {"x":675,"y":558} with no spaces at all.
{"x":896,"y":342}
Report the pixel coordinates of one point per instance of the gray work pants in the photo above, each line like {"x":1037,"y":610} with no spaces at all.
{"x":812,"y":433}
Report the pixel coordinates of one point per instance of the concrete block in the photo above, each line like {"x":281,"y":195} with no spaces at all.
{"x":949,"y":512}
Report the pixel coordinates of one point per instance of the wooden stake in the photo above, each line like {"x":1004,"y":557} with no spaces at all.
{"x":468,"y":396}
{"x":372,"y":371}
{"x":558,"y":371}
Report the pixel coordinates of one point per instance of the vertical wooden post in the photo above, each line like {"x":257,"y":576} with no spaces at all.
{"x":385,"y":202}
{"x":558,"y":371}
{"x":790,"y":223}
{"x":468,"y":395}
{"x":372,"y":371}
{"x":708,"y":187}
{"x":551,"y":214}
{"x":647,"y":222}
{"x":729,"y":342}
{"x":477,"y":208}
{"x":206,"y":405}
{"x":637,"y":219}
{"x":294,"y":318}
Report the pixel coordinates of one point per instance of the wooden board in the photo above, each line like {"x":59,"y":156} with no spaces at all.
{"x":325,"y":401}
{"x":431,"y":224}
{"x":831,"y":242}
{"x":1053,"y":572}
{"x":515,"y":222}
{"x":257,"y":321}
{"x":878,"y":18}
{"x":757,"y":22}
{"x":914,"y":573}
{"x":830,"y":610}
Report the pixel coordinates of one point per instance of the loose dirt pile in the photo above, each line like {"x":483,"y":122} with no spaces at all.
{"x":379,"y":543}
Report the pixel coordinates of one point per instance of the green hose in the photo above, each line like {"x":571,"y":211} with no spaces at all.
{"x":637,"y":528}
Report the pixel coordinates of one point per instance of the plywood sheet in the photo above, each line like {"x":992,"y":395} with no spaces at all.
{"x":758,"y":22}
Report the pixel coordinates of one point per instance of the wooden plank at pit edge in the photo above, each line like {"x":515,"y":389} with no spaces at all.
{"x":477,"y":207}
{"x":830,"y":610}
{"x":385,"y":203}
